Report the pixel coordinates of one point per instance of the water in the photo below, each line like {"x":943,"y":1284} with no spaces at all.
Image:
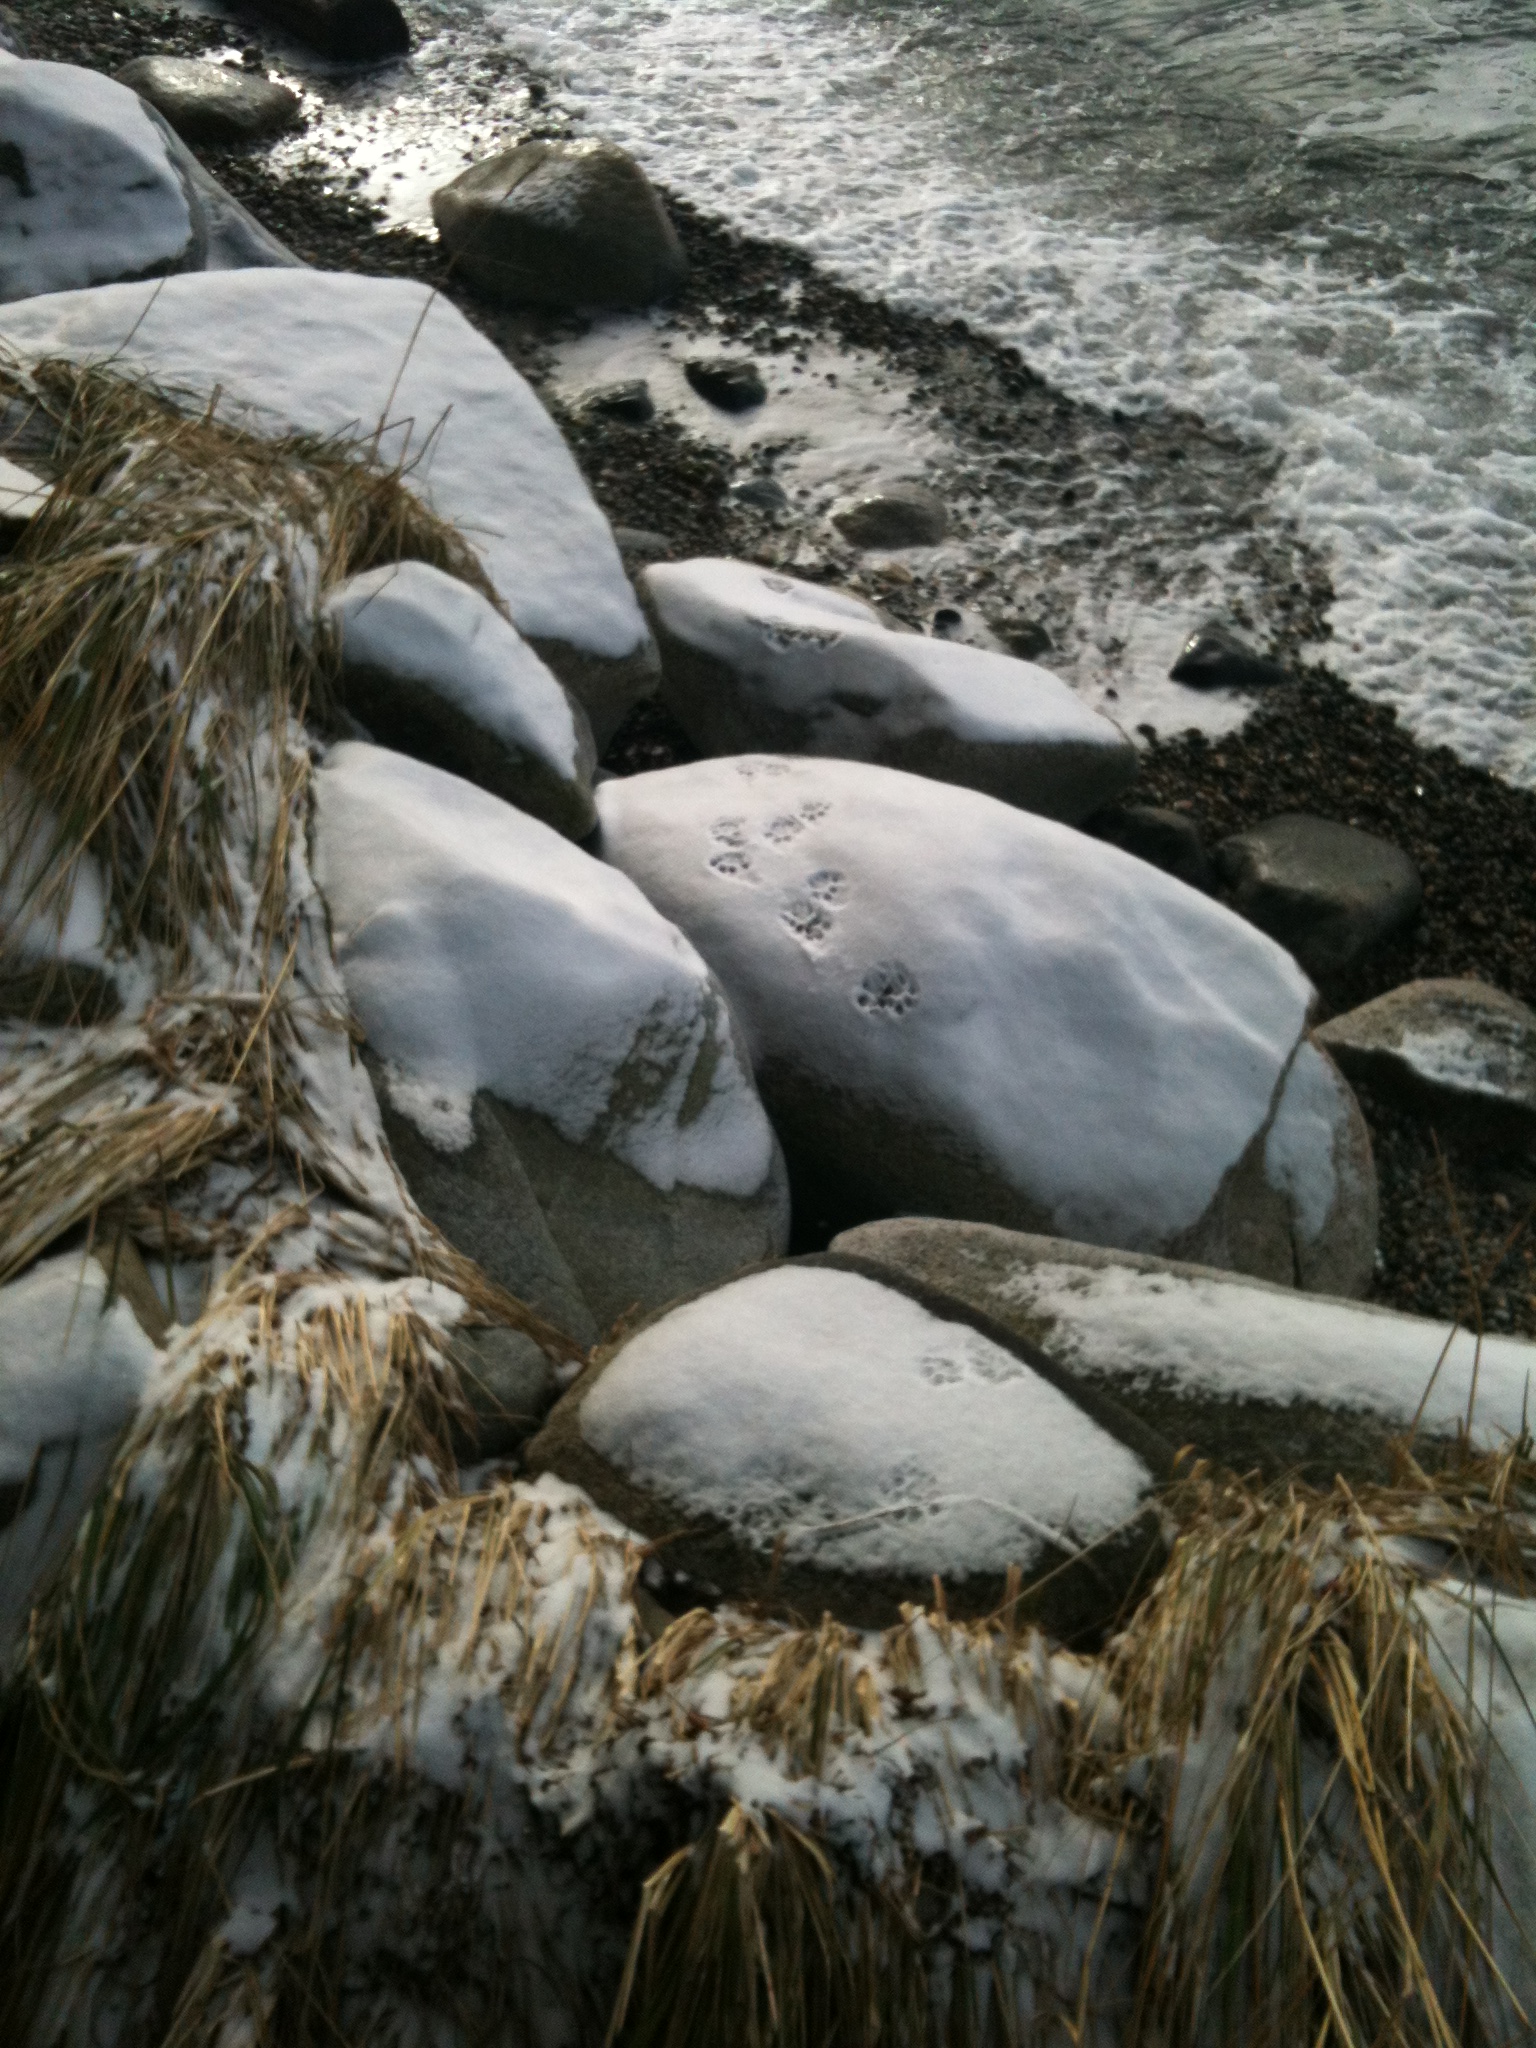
{"x":1312,"y":221}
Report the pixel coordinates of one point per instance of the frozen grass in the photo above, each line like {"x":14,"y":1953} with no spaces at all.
{"x":311,"y":1743}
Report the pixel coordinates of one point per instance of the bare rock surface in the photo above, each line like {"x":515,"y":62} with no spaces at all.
{"x":1327,"y":892}
{"x":1460,"y":1051}
{"x":212,"y":105}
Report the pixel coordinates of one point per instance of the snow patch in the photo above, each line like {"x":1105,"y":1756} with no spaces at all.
{"x":483,"y":951}
{"x":397,"y":365}
{"x":827,"y":1411}
{"x":414,"y":621}
{"x":73,"y":927}
{"x":1299,"y":1152}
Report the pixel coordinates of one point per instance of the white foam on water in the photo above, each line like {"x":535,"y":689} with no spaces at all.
{"x":1406,"y":416}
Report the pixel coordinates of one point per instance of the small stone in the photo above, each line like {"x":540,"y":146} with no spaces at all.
{"x":630,"y":401}
{"x":640,"y":544}
{"x":759,"y":493}
{"x":561,"y":224}
{"x":1326,"y":892}
{"x":1216,"y":658}
{"x":508,"y":1385}
{"x":212,"y":105}
{"x":1460,"y":1052}
{"x":1167,"y":839}
{"x":896,"y":516}
{"x":730,"y":382}
{"x":353,"y":31}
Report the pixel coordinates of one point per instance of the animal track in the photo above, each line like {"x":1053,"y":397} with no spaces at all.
{"x":975,"y":1361}
{"x":814,"y":808}
{"x":808,"y":920}
{"x":889,"y":989}
{"x":729,"y":831}
{"x":827,"y":885}
{"x":782,"y":830}
{"x":734,"y":861}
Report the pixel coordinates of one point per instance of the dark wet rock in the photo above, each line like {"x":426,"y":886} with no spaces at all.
{"x":353,"y":31}
{"x":901,"y":515}
{"x":729,"y":382}
{"x":560,"y":224}
{"x":1326,"y":892}
{"x":1168,"y":839}
{"x":1459,"y":1052}
{"x":631,"y":402}
{"x":1216,"y":658}
{"x":637,"y":544}
{"x":212,"y":105}
{"x":759,"y":494}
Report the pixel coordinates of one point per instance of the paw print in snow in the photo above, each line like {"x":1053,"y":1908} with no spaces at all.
{"x":940,"y":1371}
{"x":827,"y":885}
{"x":729,"y":831}
{"x":889,"y":989}
{"x":782,"y":830}
{"x":810,"y":922}
{"x":814,"y":809}
{"x":732,"y":862}
{"x":759,"y":764}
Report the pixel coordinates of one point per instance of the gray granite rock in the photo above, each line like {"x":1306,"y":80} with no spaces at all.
{"x":560,"y":224}
{"x":817,"y":1439}
{"x":1255,"y":1377}
{"x":898,"y":515}
{"x":212,"y":105}
{"x":1462,"y":1053}
{"x":729,"y":382}
{"x":508,"y":1385}
{"x":1327,"y":892}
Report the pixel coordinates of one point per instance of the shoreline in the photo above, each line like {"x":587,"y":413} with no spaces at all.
{"x":1315,"y":744}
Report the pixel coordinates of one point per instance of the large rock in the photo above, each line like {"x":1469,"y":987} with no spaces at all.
{"x":396,"y":363}
{"x":486,"y":957}
{"x":819,"y":1440}
{"x":1256,"y":1377}
{"x":88,"y":191}
{"x":1327,"y":892}
{"x":74,"y":1361}
{"x":898,"y":515}
{"x":353,"y":31}
{"x":956,"y":1008}
{"x":431,"y":668}
{"x":212,"y":105}
{"x":561,"y":224}
{"x":1460,"y":1052}
{"x":753,"y":659}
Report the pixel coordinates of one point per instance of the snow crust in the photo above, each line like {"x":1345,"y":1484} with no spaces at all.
{"x":1106,"y":1038}
{"x":392,"y":362}
{"x":796,"y":647}
{"x":417,"y":622}
{"x":1235,"y":1339}
{"x":827,"y":1411}
{"x":482,"y":950}
{"x":72,"y":927}
{"x":100,"y":197}
{"x":1470,"y":1062}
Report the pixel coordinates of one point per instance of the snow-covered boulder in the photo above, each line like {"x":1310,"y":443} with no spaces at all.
{"x":487,"y":958}
{"x":1462,"y":1052}
{"x":752,"y":659}
{"x":1254,"y":1376}
{"x":396,"y":363}
{"x":89,"y":193}
{"x":813,"y":1437}
{"x":431,"y":668}
{"x":73,"y":1364}
{"x":561,"y":224}
{"x":955,"y":1008}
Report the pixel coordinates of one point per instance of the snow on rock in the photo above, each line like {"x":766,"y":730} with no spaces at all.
{"x":1318,"y":1154}
{"x":821,"y":1430}
{"x":1252,"y":1375}
{"x":396,"y":363}
{"x":33,"y":929}
{"x":72,"y":1370}
{"x":429,"y":666}
{"x":485,"y":955}
{"x":957,"y":1008}
{"x":1460,"y":1051}
{"x":89,"y":193}
{"x":754,"y":659}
